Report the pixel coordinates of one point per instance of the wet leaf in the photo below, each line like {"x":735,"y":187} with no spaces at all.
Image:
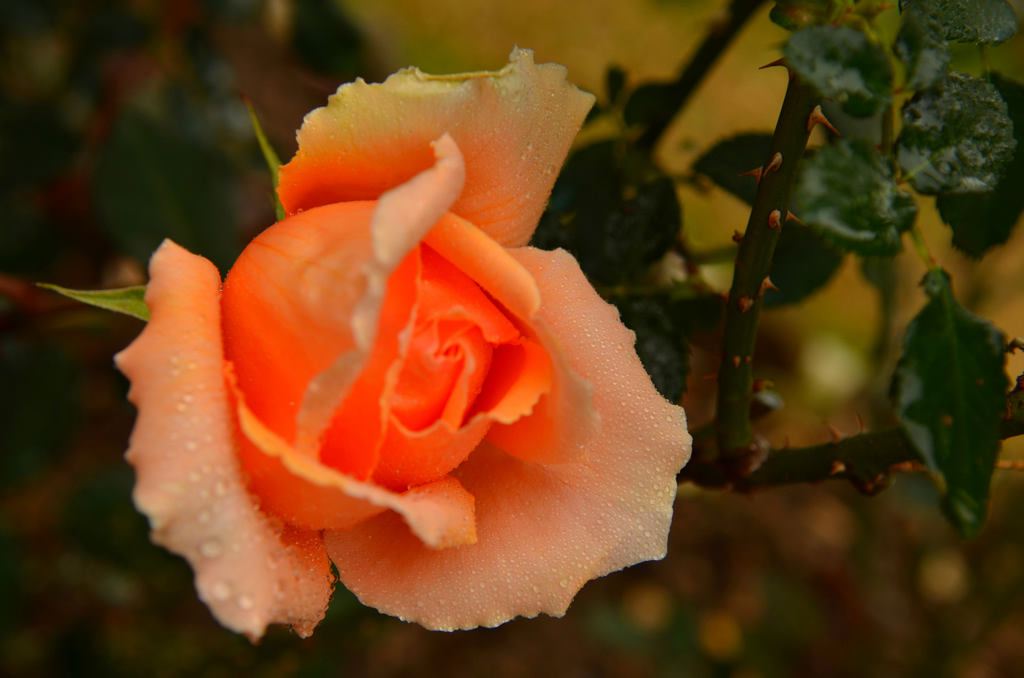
{"x":922,"y":49}
{"x":982,"y":221}
{"x":128,"y":300}
{"x":651,"y":103}
{"x":847,"y":193}
{"x":949,"y":394}
{"x":664,"y":326}
{"x":957,"y":137}
{"x":844,"y":65}
{"x":981,"y":21}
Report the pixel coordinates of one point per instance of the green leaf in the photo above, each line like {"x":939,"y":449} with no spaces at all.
{"x":154,"y":182}
{"x":796,"y":14}
{"x":803,"y":262}
{"x":981,"y":21}
{"x":957,"y":137}
{"x":128,"y":300}
{"x":632,"y":235}
{"x":982,"y":221}
{"x":326,"y":39}
{"x":269,"y":157}
{"x":843,"y":64}
{"x":949,"y":393}
{"x":663,"y":326}
{"x":846,"y":191}
{"x":724,"y":162}
{"x":651,"y":103}
{"x":922,"y":49}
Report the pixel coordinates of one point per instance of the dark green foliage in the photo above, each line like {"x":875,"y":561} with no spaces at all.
{"x":980,"y":21}
{"x":956,"y":138}
{"x":34,"y":141}
{"x":663,"y":327}
{"x":802,"y":264}
{"x":843,"y":64}
{"x":651,"y":103}
{"x":949,"y":392}
{"x":796,"y":14}
{"x":614,"y":83}
{"x":922,"y":48}
{"x":154,"y":182}
{"x":982,"y":221}
{"x":95,"y":520}
{"x":326,"y":39}
{"x":847,"y":193}
{"x":724,"y":162}
{"x":614,"y":237}
{"x":39,"y":405}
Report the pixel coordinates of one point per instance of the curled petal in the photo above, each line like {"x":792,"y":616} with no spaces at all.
{"x":563,"y":421}
{"x":514,"y":127}
{"x":306,"y":493}
{"x":249,"y":569}
{"x":542,"y":530}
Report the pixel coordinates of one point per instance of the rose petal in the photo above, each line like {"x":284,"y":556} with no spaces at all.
{"x":248,"y":569}
{"x":543,"y":531}
{"x":306,"y":493}
{"x":514,"y":127}
{"x":563,"y":421}
{"x":288,"y":303}
{"x":402,"y":217}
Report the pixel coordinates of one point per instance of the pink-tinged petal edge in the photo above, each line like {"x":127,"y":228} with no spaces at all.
{"x":514,"y":127}
{"x":249,"y":569}
{"x":543,"y":530}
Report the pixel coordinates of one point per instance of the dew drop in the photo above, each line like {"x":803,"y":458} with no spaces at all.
{"x":245,"y":602}
{"x":210,"y":548}
{"x":564,"y":583}
{"x":221,"y":590}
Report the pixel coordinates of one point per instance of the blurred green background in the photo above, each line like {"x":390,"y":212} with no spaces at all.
{"x":122,"y":123}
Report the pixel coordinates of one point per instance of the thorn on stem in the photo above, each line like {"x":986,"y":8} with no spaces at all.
{"x":744,"y":304}
{"x":775,"y":219}
{"x":792,"y":217}
{"x":766,"y":284}
{"x":818,"y":118}
{"x":832,"y":431}
{"x":837,"y":468}
{"x":771,"y":64}
{"x":774,"y":164}
{"x":757,"y":173}
{"x":737,"y":237}
{"x":1016,"y":344}
{"x":860,"y":422}
{"x":735,"y":361}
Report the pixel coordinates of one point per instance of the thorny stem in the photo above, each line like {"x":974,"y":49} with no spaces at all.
{"x":706,"y":56}
{"x":865,"y":459}
{"x":753,"y":261}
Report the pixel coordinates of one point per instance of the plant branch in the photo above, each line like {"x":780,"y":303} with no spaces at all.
{"x":753,"y":262}
{"x":715,"y":42}
{"x":866,"y":460}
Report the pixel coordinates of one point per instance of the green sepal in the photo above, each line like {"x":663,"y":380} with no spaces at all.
{"x":128,"y":300}
{"x":269,"y":156}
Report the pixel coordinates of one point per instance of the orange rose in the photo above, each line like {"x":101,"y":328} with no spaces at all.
{"x":390,"y":380}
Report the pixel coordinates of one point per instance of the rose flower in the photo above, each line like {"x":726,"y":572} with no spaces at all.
{"x":390,"y":380}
